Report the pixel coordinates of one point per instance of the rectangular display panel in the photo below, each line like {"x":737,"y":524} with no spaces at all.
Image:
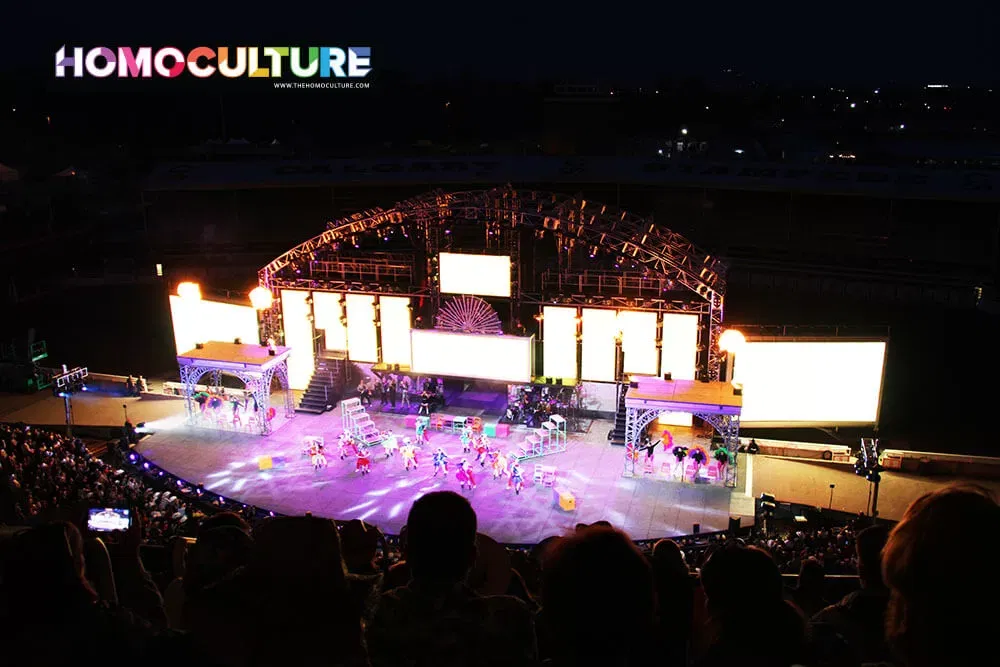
{"x":559,"y":342}
{"x":298,"y":336}
{"x":329,"y":313}
{"x":679,"y":357}
{"x":600,"y":327}
{"x":799,"y":383}
{"x":485,"y":357}
{"x":394,"y":314}
{"x":638,"y":341}
{"x":202,"y":321}
{"x":361,"y":342}
{"x":482,"y":275}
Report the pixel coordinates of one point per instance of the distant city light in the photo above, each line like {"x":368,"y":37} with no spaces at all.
{"x":853,"y":105}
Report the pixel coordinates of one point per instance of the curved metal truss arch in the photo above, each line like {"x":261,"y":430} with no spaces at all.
{"x":574,"y":220}
{"x":727,"y":426}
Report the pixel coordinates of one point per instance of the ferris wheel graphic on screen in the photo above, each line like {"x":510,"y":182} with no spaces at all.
{"x":470,"y":277}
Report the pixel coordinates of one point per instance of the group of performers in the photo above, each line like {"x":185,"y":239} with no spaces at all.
{"x":399,"y":390}
{"x":533,"y":405}
{"x":488,"y":456}
{"x":225,"y":407}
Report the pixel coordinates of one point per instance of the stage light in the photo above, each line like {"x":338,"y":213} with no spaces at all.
{"x":189,"y":291}
{"x":261,"y":298}
{"x":732,"y":340}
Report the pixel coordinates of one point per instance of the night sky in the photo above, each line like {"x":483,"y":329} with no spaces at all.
{"x":836,"y":42}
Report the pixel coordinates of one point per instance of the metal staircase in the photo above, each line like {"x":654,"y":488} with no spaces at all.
{"x":617,"y":434}
{"x":326,"y":386}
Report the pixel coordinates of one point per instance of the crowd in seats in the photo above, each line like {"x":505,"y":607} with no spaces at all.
{"x":303,"y":590}
{"x":44,"y":474}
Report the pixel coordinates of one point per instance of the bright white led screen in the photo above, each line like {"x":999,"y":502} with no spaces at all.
{"x":298,"y":336}
{"x":487,"y":357}
{"x":361,"y":342}
{"x":203,"y":321}
{"x":679,"y":357}
{"x":394,"y":313}
{"x":328,"y":313}
{"x":483,"y":275}
{"x":599,"y":330}
{"x":559,"y":342}
{"x":638,"y":341}
{"x":815,"y":383}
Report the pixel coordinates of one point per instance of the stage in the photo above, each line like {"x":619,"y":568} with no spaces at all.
{"x":226,"y":462}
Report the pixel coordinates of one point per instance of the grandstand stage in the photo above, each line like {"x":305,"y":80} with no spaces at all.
{"x":226,"y":463}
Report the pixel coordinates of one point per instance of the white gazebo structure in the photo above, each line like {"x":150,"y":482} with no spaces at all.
{"x":254,"y":365}
{"x":716,"y":403}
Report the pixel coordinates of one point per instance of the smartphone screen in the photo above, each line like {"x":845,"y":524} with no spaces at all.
{"x":108,"y":519}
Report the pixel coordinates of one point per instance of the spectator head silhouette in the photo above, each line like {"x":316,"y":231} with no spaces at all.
{"x":870,"y":543}
{"x":360,"y":542}
{"x":597,"y":589}
{"x":44,"y":571}
{"x":224,"y":519}
{"x":441,"y":537}
{"x":811,"y":576}
{"x":745,"y":580}
{"x":938,"y":564}
{"x":667,"y":556}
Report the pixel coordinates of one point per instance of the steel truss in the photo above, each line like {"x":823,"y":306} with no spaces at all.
{"x":258,"y":383}
{"x":575,"y":221}
{"x":727,"y":426}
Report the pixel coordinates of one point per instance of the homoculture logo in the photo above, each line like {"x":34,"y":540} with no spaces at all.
{"x":203,"y":62}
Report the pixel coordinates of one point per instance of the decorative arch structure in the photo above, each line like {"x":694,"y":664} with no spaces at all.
{"x":716,"y":403}
{"x":692,"y":277}
{"x":254,"y":365}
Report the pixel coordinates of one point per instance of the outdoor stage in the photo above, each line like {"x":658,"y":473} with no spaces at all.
{"x":226,"y":463}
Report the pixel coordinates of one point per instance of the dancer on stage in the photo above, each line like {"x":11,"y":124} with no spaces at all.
{"x":467,"y":439}
{"x":440,"y":462}
{"x":389,"y":444}
{"x":482,"y":450}
{"x":422,"y":436}
{"x":516,"y":481}
{"x":347,"y":446}
{"x":404,"y":393}
{"x":364,"y":465}
{"x":465,"y":475}
{"x":499,"y":464}
{"x":409,"y":454}
{"x":317,"y":456}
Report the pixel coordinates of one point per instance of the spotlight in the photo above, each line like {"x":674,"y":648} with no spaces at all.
{"x":146,"y":465}
{"x":132,"y":458}
{"x":180,"y":482}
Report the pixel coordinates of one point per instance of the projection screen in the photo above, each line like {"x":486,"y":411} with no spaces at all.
{"x":486,"y":357}
{"x":202,"y":321}
{"x":559,"y":342}
{"x":329,"y":314}
{"x":810,"y":383}
{"x":600,"y":326}
{"x":362,"y":345}
{"x":482,"y":275}
{"x":638,"y":341}
{"x":394,"y":314}
{"x":298,"y":336}
{"x":679,"y":357}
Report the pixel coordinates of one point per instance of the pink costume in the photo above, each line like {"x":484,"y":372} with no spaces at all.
{"x":465,"y":476}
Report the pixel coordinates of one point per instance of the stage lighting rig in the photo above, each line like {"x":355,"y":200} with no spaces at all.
{"x":868,"y":466}
{"x":66,"y":384}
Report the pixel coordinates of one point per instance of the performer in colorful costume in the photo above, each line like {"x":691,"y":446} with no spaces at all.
{"x":482,"y":449}
{"x":389,"y":444}
{"x":409,"y":454}
{"x":466,"y":439}
{"x":422,"y":435}
{"x":364,"y":465}
{"x":317,"y":456}
{"x":465,"y":475}
{"x":499,"y":465}
{"x":516,"y":481}
{"x":440,"y":462}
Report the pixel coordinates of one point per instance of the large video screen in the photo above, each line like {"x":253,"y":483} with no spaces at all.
{"x":201,"y":321}
{"x":559,"y":342}
{"x":486,"y":357}
{"x":803,"y":383}
{"x":362,"y":343}
{"x":394,"y":314}
{"x":479,"y":275}
{"x":298,"y":336}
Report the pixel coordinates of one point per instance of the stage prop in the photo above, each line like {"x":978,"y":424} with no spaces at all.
{"x":716,"y":403}
{"x":357,"y":422}
{"x":549,"y":439}
{"x":254,"y":365}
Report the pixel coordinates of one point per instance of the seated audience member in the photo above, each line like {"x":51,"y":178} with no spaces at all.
{"x":291,"y":598}
{"x":360,"y":542}
{"x":50,"y":613}
{"x":751,"y":624}
{"x":675,"y":598}
{"x":217,"y":554}
{"x":808,"y":593}
{"x":939,"y":566}
{"x":399,"y":573}
{"x":858,"y":620}
{"x":436,"y":620}
{"x":598,"y":601}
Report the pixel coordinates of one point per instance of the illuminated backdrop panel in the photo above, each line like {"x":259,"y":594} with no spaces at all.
{"x":487,"y":357}
{"x":394,"y":312}
{"x":679,"y":357}
{"x":200,"y":321}
{"x":559,"y":342}
{"x":361,"y":342}
{"x":481,"y":275}
{"x":328,"y":313}
{"x":798,"y":382}
{"x":638,"y":341}
{"x":600,"y":326}
{"x":298,"y":336}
